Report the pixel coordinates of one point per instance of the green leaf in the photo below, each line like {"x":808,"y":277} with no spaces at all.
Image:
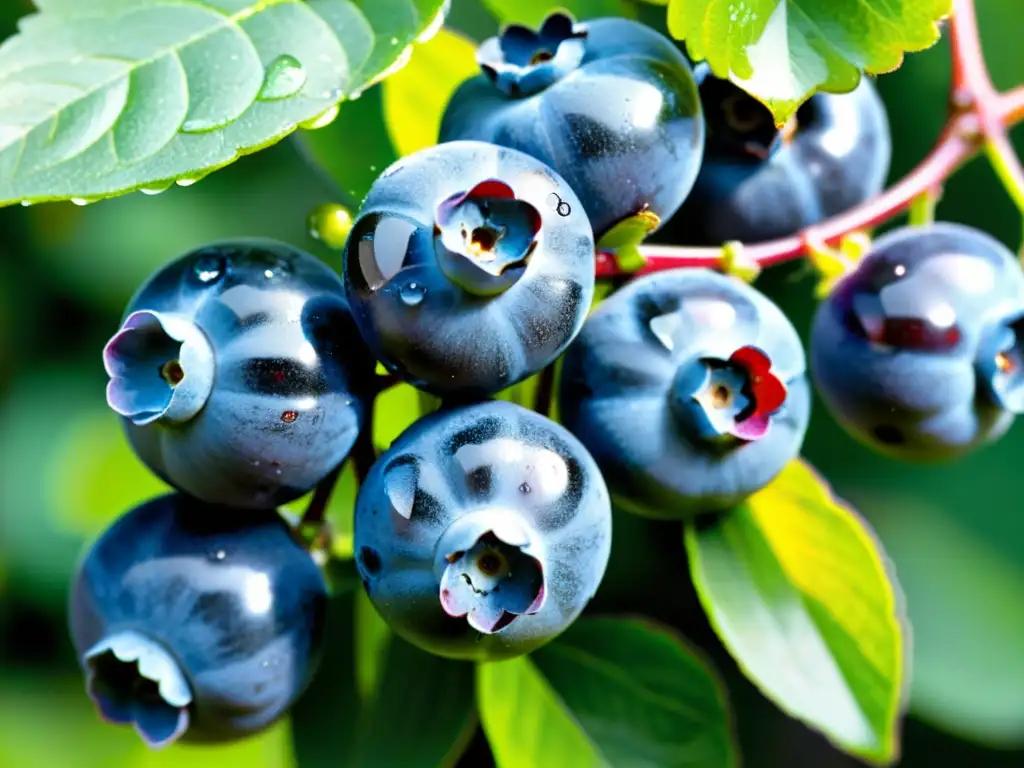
{"x":781,"y":51}
{"x":964,"y":600}
{"x":608,"y":692}
{"x":533,"y":12}
{"x":108,"y":96}
{"x":420,"y":715}
{"x":798,"y":589}
{"x":415,"y":98}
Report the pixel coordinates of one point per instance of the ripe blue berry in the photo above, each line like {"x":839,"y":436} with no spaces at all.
{"x":471,"y":267}
{"x":610,"y":104}
{"x":239,"y":374}
{"x":483,"y":532}
{"x":918,"y":351}
{"x":688,"y":388}
{"x":758,"y":182}
{"x":197,"y":623}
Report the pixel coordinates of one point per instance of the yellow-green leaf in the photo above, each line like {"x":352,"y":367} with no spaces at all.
{"x":781,"y":51}
{"x":799,"y":591}
{"x":415,"y":98}
{"x":608,"y":692}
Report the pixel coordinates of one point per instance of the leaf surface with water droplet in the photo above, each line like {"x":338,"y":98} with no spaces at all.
{"x":106,"y":97}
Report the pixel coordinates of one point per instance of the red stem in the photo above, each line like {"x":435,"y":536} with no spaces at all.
{"x":977,"y":113}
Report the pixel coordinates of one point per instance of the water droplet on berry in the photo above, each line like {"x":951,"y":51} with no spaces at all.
{"x":209,"y":268}
{"x":330,"y":224}
{"x":285,"y":77}
{"x":412,"y":294}
{"x":322,"y":120}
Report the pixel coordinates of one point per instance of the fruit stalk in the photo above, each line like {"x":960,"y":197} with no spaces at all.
{"x":978,"y":118}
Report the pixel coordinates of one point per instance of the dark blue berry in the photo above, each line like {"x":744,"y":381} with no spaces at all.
{"x":918,"y":351}
{"x":689,"y":389}
{"x":471,"y":267}
{"x":197,"y":623}
{"x":240,"y":375}
{"x":758,"y":182}
{"x":610,"y":104}
{"x":483,"y":532}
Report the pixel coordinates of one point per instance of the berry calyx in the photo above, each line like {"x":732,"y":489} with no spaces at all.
{"x":487,"y":573}
{"x":161,"y":368}
{"x":521,"y":61}
{"x":728,"y":401}
{"x":484,"y":237}
{"x":134,"y":681}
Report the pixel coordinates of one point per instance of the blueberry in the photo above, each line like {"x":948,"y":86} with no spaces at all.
{"x":610,"y":104}
{"x":197,"y":623}
{"x":758,"y":182}
{"x":689,"y":389}
{"x":483,"y":532}
{"x":470,"y":268}
{"x":239,"y":373}
{"x":918,"y":352}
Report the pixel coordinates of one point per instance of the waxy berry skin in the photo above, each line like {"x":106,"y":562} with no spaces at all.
{"x":470,"y":268}
{"x":688,"y":387}
{"x":483,"y":532}
{"x":239,"y":373}
{"x":759,"y":183}
{"x":610,"y":104}
{"x":197,"y":623}
{"x":917,"y":352}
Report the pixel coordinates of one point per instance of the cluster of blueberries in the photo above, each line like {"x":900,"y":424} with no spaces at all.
{"x":244,"y":372}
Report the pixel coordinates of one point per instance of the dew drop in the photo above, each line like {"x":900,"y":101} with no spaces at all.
{"x":322,"y":120}
{"x":394,"y":41}
{"x":525,"y":488}
{"x":81,"y":202}
{"x":355,"y":95}
{"x":201,"y":125}
{"x":285,"y":77}
{"x":188,"y":181}
{"x":412,"y":294}
{"x":208,"y":268}
{"x":330,"y":224}
{"x":155,"y":189}
{"x":26,"y":203}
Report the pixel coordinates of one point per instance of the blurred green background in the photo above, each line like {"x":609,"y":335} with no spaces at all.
{"x":955,"y":533}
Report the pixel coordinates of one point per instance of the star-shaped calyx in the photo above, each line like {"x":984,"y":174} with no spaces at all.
{"x":134,"y":681}
{"x":1000,"y":364}
{"x":521,"y":61}
{"x":484,"y":237}
{"x":161,"y":368}
{"x":490,"y":572}
{"x":728,"y":399}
